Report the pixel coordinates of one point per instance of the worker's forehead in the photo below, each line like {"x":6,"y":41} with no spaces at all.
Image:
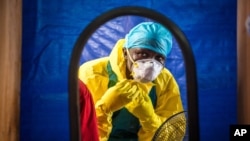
{"x":138,"y":49}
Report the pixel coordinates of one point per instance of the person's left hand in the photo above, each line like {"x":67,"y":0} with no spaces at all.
{"x":143,"y":109}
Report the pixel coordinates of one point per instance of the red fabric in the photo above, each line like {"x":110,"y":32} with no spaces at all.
{"x":88,"y":119}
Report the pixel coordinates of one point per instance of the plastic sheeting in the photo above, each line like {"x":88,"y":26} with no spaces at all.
{"x":51,"y":28}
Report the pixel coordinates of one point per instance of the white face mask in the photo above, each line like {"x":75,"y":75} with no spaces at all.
{"x":145,"y":70}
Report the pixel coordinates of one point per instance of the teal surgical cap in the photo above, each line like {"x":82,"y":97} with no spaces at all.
{"x":150,"y":35}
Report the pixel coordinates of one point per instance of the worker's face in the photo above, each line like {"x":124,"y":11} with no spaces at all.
{"x":140,"y":53}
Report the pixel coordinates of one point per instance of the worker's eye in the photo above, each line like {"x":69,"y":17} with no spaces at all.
{"x":142,"y":55}
{"x":160,"y":58}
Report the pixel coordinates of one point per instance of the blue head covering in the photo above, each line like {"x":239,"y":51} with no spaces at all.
{"x":150,"y":35}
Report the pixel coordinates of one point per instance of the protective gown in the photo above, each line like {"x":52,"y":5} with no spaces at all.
{"x":88,"y":119}
{"x":96,"y":75}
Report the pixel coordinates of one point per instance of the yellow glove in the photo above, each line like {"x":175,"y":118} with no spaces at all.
{"x":118,"y":96}
{"x":143,"y":109}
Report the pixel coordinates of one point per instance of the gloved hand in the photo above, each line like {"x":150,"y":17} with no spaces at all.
{"x":119,"y":95}
{"x":143,"y":109}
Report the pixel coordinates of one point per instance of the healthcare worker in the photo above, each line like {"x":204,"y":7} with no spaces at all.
{"x":132,"y":90}
{"x":88,"y":121}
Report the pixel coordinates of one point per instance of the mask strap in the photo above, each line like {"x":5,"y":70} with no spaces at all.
{"x":130,"y":58}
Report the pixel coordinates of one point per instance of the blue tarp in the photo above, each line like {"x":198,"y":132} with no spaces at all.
{"x":51,"y":28}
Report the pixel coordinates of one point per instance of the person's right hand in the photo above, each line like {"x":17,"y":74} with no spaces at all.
{"x":119,"y":95}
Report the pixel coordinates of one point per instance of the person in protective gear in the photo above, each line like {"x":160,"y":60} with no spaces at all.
{"x":132,"y":90}
{"x":88,"y":121}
